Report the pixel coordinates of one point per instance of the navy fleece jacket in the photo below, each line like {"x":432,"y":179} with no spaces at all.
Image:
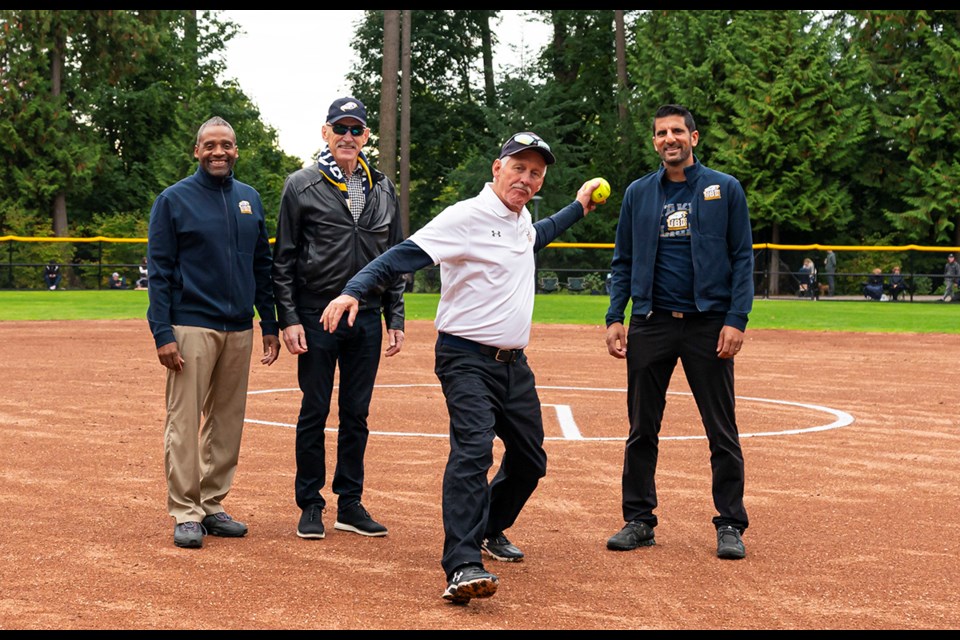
{"x":209,"y":258}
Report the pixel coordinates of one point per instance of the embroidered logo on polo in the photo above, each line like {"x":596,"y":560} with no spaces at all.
{"x":494,"y":233}
{"x":245,"y":207}
{"x":712,"y":192}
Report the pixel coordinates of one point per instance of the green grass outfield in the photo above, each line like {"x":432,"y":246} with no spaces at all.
{"x":799,"y":315}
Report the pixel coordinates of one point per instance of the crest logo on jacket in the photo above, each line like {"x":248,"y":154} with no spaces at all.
{"x":245,"y":207}
{"x":712,"y":192}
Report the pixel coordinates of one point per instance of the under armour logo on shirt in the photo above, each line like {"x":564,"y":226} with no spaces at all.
{"x":495,"y":233}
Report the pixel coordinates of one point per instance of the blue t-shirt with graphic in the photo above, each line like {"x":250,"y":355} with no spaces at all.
{"x":673,"y":272}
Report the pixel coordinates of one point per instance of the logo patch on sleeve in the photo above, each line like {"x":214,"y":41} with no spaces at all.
{"x":245,"y":207}
{"x":712,"y":192}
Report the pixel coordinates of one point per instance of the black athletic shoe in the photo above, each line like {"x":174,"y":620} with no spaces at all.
{"x":357,"y":519}
{"x":729,"y":543}
{"x":188,"y":535}
{"x":633,"y":535}
{"x":311,"y":522}
{"x":499,"y":548}
{"x":221,"y":524}
{"x":470,"y":581}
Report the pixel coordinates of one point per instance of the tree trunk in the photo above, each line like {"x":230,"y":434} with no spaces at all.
{"x":388,"y":95}
{"x":621,"y":38}
{"x":405,"y":121}
{"x":58,"y":212}
{"x":489,"y":87}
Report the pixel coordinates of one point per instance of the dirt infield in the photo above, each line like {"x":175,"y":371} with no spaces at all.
{"x":852,"y":452}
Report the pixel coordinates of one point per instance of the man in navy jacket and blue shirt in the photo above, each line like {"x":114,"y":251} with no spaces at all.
{"x":684,"y":256}
{"x":210,"y":262}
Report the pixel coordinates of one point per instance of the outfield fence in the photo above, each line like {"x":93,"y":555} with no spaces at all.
{"x":87,"y":263}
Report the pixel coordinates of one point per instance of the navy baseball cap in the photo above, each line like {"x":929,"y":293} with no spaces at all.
{"x":347,"y":107}
{"x":527,"y":140}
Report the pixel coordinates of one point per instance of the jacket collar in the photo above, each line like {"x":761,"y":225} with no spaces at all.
{"x":213,"y":182}
{"x":692,"y":172}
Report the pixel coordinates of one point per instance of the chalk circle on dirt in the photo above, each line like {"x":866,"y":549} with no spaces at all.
{"x":572,"y":432}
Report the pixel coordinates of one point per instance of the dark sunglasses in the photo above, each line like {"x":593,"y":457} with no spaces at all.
{"x":354,"y":129}
{"x":529,"y":140}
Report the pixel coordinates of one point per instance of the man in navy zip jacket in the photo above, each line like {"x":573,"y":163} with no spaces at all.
{"x":209,"y":265}
{"x":684,"y":257}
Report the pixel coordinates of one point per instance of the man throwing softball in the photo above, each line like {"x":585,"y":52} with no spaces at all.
{"x":485,"y":248}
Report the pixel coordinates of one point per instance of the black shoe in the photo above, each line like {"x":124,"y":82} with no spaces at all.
{"x":634,"y":534}
{"x":729,"y":543}
{"x":188,"y":535}
{"x":499,"y":548}
{"x":357,"y":519}
{"x":221,"y":524}
{"x":470,"y":581}
{"x":311,"y":522}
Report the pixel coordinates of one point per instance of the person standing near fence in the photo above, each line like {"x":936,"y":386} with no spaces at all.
{"x":209,"y":256}
{"x":830,"y":269}
{"x":951,"y":273}
{"x":684,"y":255}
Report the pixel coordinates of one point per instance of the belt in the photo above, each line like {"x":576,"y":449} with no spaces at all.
{"x":500,"y":355}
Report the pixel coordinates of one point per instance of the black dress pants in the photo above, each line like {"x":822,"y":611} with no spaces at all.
{"x":654,"y":346}
{"x":486,"y":398}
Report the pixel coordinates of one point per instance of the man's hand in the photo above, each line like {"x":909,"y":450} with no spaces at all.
{"x":271,"y":350}
{"x":295,"y":338}
{"x":730,"y":342}
{"x":585,"y":195}
{"x":395,"y":337}
{"x":169,"y":356}
{"x":330,"y":318}
{"x":617,"y":340}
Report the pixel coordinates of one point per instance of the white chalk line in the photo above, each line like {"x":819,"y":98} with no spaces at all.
{"x":570,"y":429}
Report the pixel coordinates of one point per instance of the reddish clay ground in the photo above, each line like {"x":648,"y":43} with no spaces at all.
{"x":851,"y":528}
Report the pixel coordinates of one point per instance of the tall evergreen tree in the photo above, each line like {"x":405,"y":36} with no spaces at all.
{"x":913,"y":168}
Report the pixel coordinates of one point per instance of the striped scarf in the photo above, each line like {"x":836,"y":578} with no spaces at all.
{"x":330,"y":170}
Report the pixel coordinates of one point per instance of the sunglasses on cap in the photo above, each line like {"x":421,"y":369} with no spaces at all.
{"x":354,"y":129}
{"x":530,"y":141}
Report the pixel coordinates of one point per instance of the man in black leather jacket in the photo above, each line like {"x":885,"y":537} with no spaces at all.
{"x":335,"y":217}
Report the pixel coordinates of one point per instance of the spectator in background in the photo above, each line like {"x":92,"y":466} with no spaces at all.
{"x":896,"y":286}
{"x":951,"y":273}
{"x":117,"y":281}
{"x":52,"y":275}
{"x":830,"y":268}
{"x":808,"y":279}
{"x":873,"y":287}
{"x":142,"y":280}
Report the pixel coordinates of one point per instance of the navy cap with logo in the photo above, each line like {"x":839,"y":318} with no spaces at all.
{"x":527,"y":140}
{"x":347,"y":107}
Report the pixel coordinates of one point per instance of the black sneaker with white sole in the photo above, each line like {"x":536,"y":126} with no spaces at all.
{"x":311,"y":523}
{"x":499,"y":548}
{"x":729,"y":543}
{"x":470,"y":581}
{"x":357,"y":520}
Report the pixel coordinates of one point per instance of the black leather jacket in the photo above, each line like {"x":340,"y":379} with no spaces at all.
{"x":319,"y":247}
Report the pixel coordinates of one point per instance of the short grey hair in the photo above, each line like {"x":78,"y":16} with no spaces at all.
{"x":215,"y":121}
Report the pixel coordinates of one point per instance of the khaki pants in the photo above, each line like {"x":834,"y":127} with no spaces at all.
{"x":201,"y":460}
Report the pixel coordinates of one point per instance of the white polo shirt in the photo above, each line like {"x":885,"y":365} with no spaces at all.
{"x":487,"y":284}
